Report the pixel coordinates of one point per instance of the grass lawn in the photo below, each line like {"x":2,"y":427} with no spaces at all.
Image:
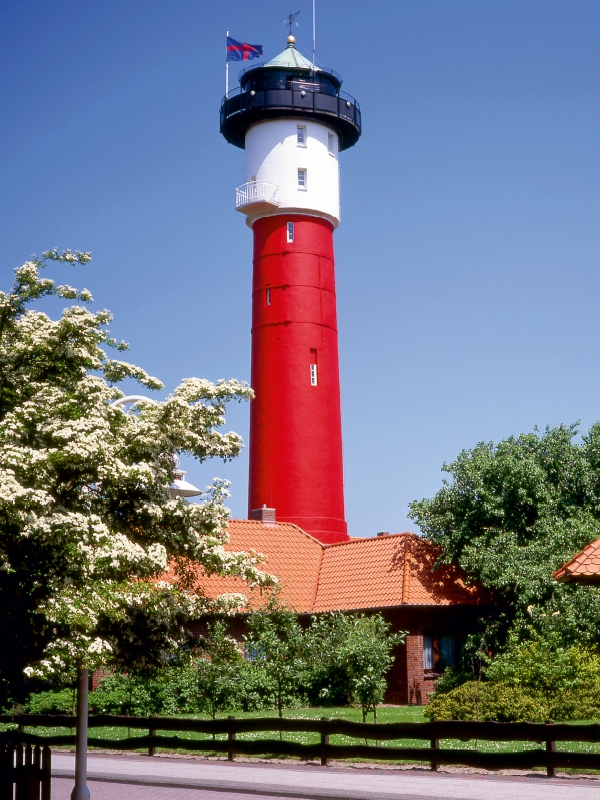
{"x":384,"y":714}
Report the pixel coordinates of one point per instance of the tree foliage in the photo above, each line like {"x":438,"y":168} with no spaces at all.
{"x":276,"y":644}
{"x":511,"y":514}
{"x":87,"y":523}
{"x":337,"y":659}
{"x":348,"y":658}
{"x":220,"y":673}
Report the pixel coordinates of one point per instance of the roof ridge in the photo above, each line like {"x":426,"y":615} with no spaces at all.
{"x":355,"y":539}
{"x":318,"y":581}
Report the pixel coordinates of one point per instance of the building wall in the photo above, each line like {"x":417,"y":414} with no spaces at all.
{"x":408,"y":682}
{"x":274,"y":154}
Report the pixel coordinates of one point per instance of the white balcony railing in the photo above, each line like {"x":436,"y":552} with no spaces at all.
{"x":256,"y":193}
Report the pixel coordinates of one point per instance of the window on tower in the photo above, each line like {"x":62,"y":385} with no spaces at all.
{"x":268,"y":296}
{"x":302,"y":179}
{"x":313,"y":367}
{"x":301,"y":135}
{"x":331,"y":144}
{"x":290,"y":231}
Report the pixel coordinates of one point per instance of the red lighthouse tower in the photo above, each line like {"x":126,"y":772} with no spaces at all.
{"x":293,"y":120}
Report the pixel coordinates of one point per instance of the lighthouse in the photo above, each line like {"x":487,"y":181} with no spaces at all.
{"x":293,"y":121}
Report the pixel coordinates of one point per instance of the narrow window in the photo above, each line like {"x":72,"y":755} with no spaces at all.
{"x":290,"y":231}
{"x":313,"y":367}
{"x":268,"y":297}
{"x":446,"y":651}
{"x":428,"y":652}
{"x":302,"y":179}
{"x":331,"y":144}
{"x":301,"y":135}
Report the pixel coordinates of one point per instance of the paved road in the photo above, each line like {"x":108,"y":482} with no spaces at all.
{"x":188,"y":779}
{"x":62,"y":787}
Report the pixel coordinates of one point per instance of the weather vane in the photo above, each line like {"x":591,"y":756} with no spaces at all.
{"x":291,"y":20}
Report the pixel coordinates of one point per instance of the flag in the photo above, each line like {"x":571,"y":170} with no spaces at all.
{"x":240,"y":51}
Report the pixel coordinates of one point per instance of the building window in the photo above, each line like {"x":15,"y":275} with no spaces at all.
{"x":428,"y":660}
{"x":313,"y":374}
{"x":301,"y":135}
{"x":290,"y":231}
{"x":440,"y":652}
{"x":302,"y":179}
{"x":331,"y":144}
{"x":255,"y":653}
{"x":268,"y":297}
{"x":446,"y":654}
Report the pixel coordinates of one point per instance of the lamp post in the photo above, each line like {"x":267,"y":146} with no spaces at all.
{"x":179,"y":488}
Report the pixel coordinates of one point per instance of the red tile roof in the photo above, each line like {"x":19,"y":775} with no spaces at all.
{"x":379,"y":572}
{"x":390,"y":570}
{"x":582,"y":568}
{"x":290,"y":554}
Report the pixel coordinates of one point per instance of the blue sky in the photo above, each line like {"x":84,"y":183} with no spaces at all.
{"x":468,"y":254}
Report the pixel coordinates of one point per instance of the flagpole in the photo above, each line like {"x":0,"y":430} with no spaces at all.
{"x":226,"y":66}
{"x":314,"y":31}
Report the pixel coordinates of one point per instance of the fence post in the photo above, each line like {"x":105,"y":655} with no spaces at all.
{"x":152,"y":748}
{"x":6,"y":770}
{"x":324,"y":740}
{"x":435,"y":745}
{"x":550,"y":748}
{"x":19,"y":773}
{"x":231,"y":739}
{"x":46,"y":778}
{"x":35,"y":774}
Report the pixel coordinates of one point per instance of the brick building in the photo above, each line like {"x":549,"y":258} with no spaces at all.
{"x":390,"y":573}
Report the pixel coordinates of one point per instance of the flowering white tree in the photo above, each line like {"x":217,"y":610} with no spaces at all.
{"x":87,"y":523}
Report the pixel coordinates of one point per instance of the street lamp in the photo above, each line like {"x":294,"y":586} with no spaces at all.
{"x":179,"y":488}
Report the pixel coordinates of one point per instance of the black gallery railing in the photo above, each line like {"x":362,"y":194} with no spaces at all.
{"x":369,"y":735}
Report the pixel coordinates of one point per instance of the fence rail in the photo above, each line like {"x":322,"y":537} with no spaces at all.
{"x":545,"y":735}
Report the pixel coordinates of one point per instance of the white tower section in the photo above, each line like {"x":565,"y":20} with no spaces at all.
{"x":291,"y":166}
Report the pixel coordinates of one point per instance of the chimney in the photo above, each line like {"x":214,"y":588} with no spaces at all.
{"x":381,"y":533}
{"x":264,"y":514}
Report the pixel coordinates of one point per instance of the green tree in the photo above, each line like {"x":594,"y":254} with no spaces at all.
{"x":348,"y":657}
{"x":220,"y":671}
{"x":511,"y":514}
{"x":367,"y":654}
{"x":276,"y":644}
{"x":87,"y":523}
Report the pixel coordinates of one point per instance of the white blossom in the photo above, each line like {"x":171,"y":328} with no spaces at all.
{"x":85,"y":486}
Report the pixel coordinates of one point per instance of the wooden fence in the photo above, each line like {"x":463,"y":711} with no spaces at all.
{"x":25,"y":772}
{"x":545,"y":735}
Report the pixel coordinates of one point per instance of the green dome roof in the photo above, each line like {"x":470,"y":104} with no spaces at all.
{"x":291,"y":59}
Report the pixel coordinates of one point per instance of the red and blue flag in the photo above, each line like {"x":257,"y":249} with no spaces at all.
{"x":240,"y":51}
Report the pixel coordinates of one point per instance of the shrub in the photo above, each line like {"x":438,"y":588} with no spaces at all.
{"x":581,"y":703}
{"x":169,"y":690}
{"x":450,"y":679}
{"x":488,"y":702}
{"x":545,"y":665}
{"x":257,"y":690}
{"x":53,"y":701}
